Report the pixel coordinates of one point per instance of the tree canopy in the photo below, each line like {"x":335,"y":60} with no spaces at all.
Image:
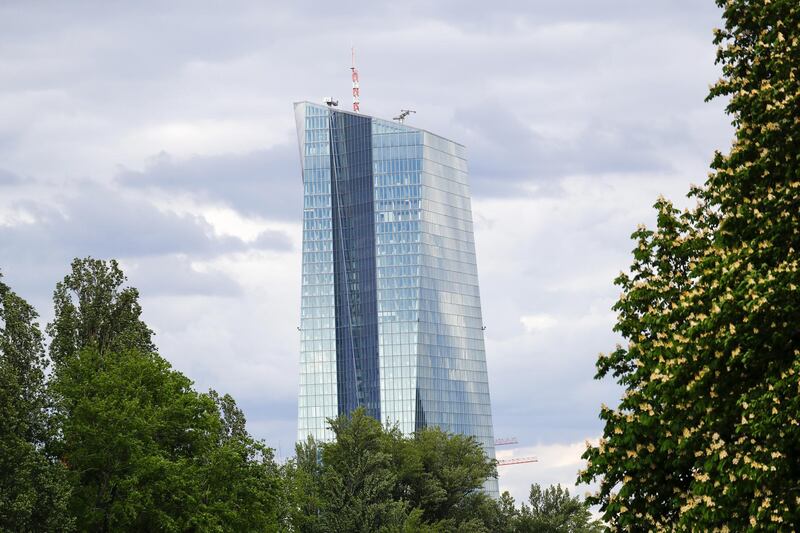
{"x":372,"y":478}
{"x":117,"y":440}
{"x":553,"y":510}
{"x":707,"y":435}
{"x":93,"y":309}
{"x":33,"y":486}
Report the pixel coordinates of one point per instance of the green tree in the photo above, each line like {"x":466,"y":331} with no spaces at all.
{"x":507,"y":514}
{"x":441,"y":475}
{"x":372,"y":478}
{"x":92,"y":308}
{"x":553,"y":510}
{"x":33,"y":487}
{"x":145,"y":450}
{"x":357,"y":478}
{"x":707,"y":435}
{"x":303,"y":475}
{"x":149,"y":453}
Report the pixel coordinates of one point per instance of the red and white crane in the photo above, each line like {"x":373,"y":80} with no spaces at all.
{"x":516,"y":461}
{"x":512,"y":460}
{"x":356,"y":94}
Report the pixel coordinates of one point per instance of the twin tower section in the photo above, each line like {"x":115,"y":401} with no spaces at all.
{"x":390,"y":311}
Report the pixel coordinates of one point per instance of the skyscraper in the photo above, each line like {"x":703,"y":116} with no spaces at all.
{"x":390,"y":313}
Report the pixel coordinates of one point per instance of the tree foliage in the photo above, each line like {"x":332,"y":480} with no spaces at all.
{"x":553,"y":510}
{"x":707,"y":435}
{"x":33,"y":487}
{"x":93,"y":309}
{"x":446,"y":471}
{"x":117,"y":440}
{"x":145,"y":451}
{"x":372,"y":478}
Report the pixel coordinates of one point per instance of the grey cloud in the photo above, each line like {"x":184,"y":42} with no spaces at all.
{"x":111,"y":35}
{"x":172,"y":275}
{"x":104,"y":222}
{"x":101,"y":221}
{"x":272,"y":240}
{"x":504,"y":152}
{"x":265,"y":183}
{"x":479,"y":14}
{"x":109,"y":70}
{"x":536,"y":90}
{"x":126,"y":227}
{"x":542,"y":383}
{"x":8,"y":178}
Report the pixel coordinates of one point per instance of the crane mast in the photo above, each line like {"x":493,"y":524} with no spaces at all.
{"x":356,"y":93}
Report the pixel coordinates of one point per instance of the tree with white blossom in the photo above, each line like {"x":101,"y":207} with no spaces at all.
{"x":707,"y":434}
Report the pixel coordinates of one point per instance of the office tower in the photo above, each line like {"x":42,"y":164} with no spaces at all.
{"x":391,"y":314}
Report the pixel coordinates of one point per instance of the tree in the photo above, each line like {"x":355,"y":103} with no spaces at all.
{"x":240,"y":483}
{"x":33,"y":487}
{"x":707,"y":434}
{"x":92,"y":308}
{"x":145,"y":450}
{"x":442,"y":475}
{"x":507,"y":514}
{"x":553,"y":510}
{"x":149,"y":453}
{"x":303,"y":478}
{"x":357,"y":478}
{"x":373,"y":478}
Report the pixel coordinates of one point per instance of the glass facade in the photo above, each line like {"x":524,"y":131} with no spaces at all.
{"x":390,"y":310}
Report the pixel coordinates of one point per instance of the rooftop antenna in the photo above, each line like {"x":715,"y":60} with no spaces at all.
{"x":356,"y":95}
{"x":403,"y":114}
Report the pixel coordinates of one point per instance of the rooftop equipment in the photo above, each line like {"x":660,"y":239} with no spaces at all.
{"x":403,"y":114}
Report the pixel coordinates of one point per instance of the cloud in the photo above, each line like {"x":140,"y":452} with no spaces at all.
{"x":102,"y":222}
{"x":8,"y":178}
{"x":540,"y":322}
{"x":259,"y":183}
{"x":511,"y":154}
{"x":547,"y":262}
{"x":165,"y":137}
{"x":43,"y":234}
{"x":175,"y":275}
{"x":91,"y":88}
{"x":246,"y":345}
{"x":272,"y":240}
{"x":556,"y":464}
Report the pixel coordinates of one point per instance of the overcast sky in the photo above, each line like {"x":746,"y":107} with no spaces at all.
{"x":164,"y":137}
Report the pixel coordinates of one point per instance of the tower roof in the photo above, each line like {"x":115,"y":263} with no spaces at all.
{"x":386,"y":122}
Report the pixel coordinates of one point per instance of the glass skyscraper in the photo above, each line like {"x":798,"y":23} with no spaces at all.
{"x":391,"y":312}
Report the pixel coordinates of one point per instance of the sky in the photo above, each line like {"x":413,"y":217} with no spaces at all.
{"x":162,"y":135}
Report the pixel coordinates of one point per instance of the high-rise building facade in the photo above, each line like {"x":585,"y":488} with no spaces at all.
{"x":390,"y":312}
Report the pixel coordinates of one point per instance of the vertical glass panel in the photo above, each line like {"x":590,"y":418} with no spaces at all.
{"x":354,"y":263}
{"x":316,"y":403}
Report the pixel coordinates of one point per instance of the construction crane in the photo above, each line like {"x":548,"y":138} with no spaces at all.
{"x":403,"y":114}
{"x":356,"y":93}
{"x":516,"y":461}
{"x":512,"y":460}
